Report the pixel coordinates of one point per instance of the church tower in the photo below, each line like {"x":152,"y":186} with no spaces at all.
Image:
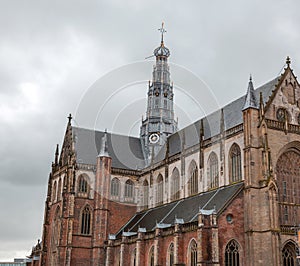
{"x":159,"y":122}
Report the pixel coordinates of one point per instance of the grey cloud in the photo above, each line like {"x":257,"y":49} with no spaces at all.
{"x":63,"y":47}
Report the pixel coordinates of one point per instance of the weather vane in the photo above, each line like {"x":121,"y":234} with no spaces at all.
{"x":162,"y":30}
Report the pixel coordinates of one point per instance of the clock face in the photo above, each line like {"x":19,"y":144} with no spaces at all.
{"x":281,"y":113}
{"x":154,"y":138}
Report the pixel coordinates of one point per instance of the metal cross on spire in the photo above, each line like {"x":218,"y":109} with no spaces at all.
{"x":162,"y":30}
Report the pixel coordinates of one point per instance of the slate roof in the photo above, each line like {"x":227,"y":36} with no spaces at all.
{"x":127,"y":153}
{"x":233,"y":116}
{"x":186,"y":209}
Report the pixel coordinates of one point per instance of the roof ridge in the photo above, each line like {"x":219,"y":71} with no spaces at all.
{"x":224,"y":106}
{"x":109,"y":133}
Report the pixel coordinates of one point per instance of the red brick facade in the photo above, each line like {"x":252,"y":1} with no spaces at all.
{"x":255,"y":226}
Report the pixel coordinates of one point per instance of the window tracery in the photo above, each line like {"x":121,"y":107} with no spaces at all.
{"x":213,"y":171}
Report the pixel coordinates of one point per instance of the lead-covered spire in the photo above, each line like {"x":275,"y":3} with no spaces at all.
{"x":159,"y":122}
{"x":250,"y":100}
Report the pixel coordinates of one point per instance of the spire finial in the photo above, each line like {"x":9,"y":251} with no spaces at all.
{"x":70,"y":118}
{"x":288,"y":61}
{"x":56,"y":151}
{"x":162,"y":30}
{"x":261,"y":105}
{"x":56,"y":154}
{"x":261,"y":102}
{"x":250,"y":79}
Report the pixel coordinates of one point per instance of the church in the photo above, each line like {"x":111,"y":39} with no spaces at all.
{"x":224,"y":190}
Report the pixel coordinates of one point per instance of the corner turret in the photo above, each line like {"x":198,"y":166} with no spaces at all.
{"x":250,"y":100}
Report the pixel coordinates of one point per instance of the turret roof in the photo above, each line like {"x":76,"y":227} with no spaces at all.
{"x":250,"y":100}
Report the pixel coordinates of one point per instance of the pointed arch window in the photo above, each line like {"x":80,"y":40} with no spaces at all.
{"x":86,"y":221}
{"x":165,"y":103}
{"x":235,"y":167}
{"x":232,"y":256}
{"x":288,"y":173}
{"x":151,"y":180}
{"x":115,"y":188}
{"x":133,"y":263}
{"x":289,"y":255}
{"x":54,"y":191}
{"x":213,"y":171}
{"x":151,"y":257}
{"x":192,"y":253}
{"x":129,"y":190}
{"x":156,"y":103}
{"x":83,"y":186}
{"x":171,"y":255}
{"x":175,"y":185}
{"x":118,"y":256}
{"x":145,"y":194}
{"x":159,"y":189}
{"x":59,"y":190}
{"x":193,"y":178}
{"x":286,"y":214}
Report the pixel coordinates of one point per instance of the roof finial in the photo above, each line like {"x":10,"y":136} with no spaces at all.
{"x":261,"y":105}
{"x":162,"y":51}
{"x":70,"y":118}
{"x":56,"y":154}
{"x":162,"y":30}
{"x":250,"y":77}
{"x":288,"y":61}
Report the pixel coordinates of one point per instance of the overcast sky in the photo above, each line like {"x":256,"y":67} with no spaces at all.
{"x":52,"y":52}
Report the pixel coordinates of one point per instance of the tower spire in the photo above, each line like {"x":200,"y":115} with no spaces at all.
{"x":159,"y":122}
